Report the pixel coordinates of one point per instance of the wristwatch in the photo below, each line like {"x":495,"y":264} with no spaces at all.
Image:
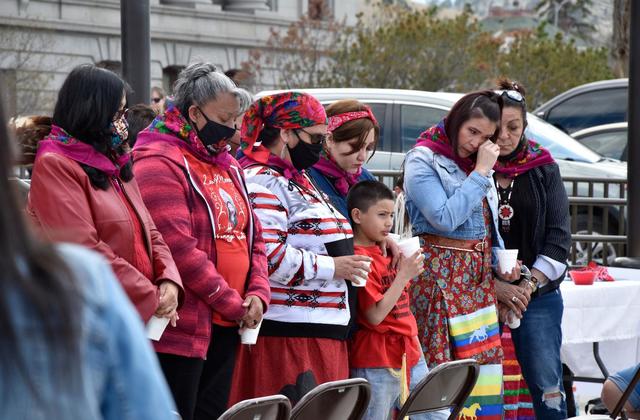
{"x":533,"y":283}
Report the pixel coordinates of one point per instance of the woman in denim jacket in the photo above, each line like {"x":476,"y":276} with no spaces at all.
{"x":452,"y":203}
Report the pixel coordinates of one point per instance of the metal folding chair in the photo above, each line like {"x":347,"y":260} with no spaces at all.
{"x":274,"y":407}
{"x":337,"y":400}
{"x":618,"y":411}
{"x":446,"y":386}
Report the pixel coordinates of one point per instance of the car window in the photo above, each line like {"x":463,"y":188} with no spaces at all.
{"x":379,"y":111}
{"x":609,"y":143}
{"x":560,"y":144}
{"x":414,"y":120}
{"x":589,"y":109}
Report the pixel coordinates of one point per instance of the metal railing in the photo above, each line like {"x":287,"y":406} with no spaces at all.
{"x":598,"y":216}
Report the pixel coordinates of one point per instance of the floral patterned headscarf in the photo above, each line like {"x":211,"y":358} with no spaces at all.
{"x":288,"y":110}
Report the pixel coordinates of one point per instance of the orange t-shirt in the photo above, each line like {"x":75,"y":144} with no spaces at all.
{"x":231,"y":215}
{"x":382,"y":345}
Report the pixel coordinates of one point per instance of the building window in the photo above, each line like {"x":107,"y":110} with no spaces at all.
{"x":169,"y":77}
{"x":319,"y":9}
{"x":113,"y":65}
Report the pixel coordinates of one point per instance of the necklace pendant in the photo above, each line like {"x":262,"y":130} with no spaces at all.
{"x":505,"y":212}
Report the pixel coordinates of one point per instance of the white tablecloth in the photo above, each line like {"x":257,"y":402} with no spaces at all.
{"x":606,"y":312}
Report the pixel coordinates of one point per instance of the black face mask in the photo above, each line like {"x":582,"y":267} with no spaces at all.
{"x":214,"y":135}
{"x":305,"y":155}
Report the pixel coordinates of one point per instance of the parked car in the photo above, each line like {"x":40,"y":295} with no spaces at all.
{"x":588,"y":105}
{"x":609,"y":140}
{"x":404,"y":114}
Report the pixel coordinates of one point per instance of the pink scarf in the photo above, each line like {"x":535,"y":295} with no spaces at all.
{"x":531,"y":156}
{"x":435,"y":138}
{"x":60,"y":142}
{"x":182,"y":134}
{"x":342,"y":180}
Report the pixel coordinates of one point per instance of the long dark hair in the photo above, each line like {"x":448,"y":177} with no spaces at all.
{"x":87,"y":102}
{"x":37,"y":289}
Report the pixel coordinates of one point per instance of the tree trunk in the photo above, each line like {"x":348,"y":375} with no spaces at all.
{"x":620,"y":50}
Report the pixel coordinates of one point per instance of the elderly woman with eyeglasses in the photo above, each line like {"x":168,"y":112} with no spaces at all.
{"x":533,"y":217}
{"x":309,"y":244}
{"x":83,"y":190}
{"x":195,"y":191}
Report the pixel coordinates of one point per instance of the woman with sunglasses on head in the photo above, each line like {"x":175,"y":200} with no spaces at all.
{"x":452,"y":203}
{"x":83,"y":191}
{"x":353,"y":135}
{"x":196,"y":194}
{"x":533,"y":218}
{"x":309,"y":244}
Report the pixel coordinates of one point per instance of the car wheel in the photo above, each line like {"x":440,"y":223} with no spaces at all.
{"x":597,"y":248}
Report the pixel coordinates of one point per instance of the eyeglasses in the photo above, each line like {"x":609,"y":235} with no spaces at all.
{"x":122,"y":113}
{"x":319,"y":138}
{"x":156,"y":100}
{"x":513,"y":95}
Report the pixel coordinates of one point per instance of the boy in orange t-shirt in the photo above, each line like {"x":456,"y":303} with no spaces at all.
{"x":387,"y":328}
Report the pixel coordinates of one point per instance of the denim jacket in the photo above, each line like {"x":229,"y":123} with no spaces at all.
{"x":443,"y":200}
{"x":119,"y":374}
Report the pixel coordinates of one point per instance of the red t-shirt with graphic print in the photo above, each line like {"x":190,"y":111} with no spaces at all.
{"x":382,"y":345}
{"x":231,"y":216}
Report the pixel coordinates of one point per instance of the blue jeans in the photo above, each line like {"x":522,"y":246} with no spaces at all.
{"x":537,"y":344}
{"x":385,"y":392}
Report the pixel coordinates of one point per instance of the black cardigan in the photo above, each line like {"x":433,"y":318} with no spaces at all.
{"x":545,"y":230}
{"x":552,"y":224}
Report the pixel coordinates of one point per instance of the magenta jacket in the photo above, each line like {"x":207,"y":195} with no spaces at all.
{"x":172,"y":193}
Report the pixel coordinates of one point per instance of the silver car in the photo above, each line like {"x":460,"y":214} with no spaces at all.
{"x":404,"y":114}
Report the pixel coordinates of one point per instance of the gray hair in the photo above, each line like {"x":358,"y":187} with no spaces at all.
{"x":200,"y":83}
{"x":244,"y":99}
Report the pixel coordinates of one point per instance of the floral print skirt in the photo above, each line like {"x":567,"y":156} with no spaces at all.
{"x":454,"y":303}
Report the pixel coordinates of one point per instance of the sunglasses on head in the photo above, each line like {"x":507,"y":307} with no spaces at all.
{"x":314,"y":138}
{"x":513,"y":95}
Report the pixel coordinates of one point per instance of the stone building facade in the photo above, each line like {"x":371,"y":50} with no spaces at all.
{"x":42,"y":40}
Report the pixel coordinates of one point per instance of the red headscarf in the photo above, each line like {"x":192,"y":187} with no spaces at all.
{"x":288,"y":110}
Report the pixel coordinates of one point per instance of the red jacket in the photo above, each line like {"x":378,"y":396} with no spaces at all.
{"x":67,"y":208}
{"x":173,"y":196}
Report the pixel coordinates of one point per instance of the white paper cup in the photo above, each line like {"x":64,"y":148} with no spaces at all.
{"x":507,"y":259}
{"x":512,"y":320}
{"x":361,"y":281}
{"x":395,"y":237}
{"x":155,"y":327}
{"x":250,"y":335}
{"x":408,"y":247}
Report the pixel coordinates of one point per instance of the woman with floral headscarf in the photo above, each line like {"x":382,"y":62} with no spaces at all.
{"x":309,"y":245}
{"x":353,"y":135}
{"x":83,"y":191}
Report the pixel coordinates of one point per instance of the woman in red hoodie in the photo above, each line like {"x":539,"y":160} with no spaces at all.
{"x":195,"y":192}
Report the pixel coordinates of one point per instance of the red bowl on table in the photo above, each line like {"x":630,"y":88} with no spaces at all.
{"x":583,"y":277}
